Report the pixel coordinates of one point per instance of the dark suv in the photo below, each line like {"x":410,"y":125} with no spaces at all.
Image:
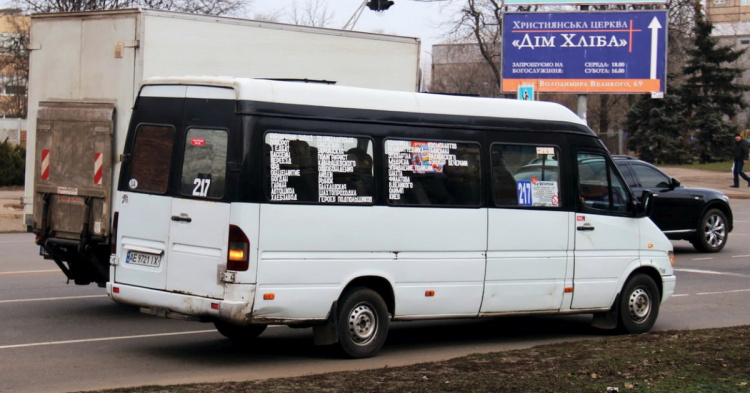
{"x":699,"y":215}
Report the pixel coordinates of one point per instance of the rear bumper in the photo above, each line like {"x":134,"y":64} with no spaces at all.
{"x":668,"y":286}
{"x":236,"y":307}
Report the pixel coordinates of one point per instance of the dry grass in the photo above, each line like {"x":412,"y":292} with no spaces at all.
{"x":712,"y":360}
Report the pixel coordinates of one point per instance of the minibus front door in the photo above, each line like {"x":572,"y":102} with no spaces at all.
{"x":606,"y":234}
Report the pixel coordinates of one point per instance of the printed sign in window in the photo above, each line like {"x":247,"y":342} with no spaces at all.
{"x":433,"y":173}
{"x":524,"y":175}
{"x":319,"y":168}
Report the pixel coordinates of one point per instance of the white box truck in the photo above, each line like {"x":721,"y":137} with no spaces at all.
{"x":85,"y":72}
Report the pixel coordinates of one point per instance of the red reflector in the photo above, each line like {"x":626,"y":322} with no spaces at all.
{"x":569,"y":290}
{"x":215,"y":306}
{"x":269,"y":296}
{"x":115,"y":289}
{"x":429,"y":293}
{"x":45,"y":164}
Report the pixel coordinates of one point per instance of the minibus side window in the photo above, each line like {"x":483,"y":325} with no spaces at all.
{"x":525,"y":175}
{"x":599,"y":186}
{"x":152,"y":154}
{"x":204,"y":165}
{"x":433,"y":173}
{"x":318,"y":169}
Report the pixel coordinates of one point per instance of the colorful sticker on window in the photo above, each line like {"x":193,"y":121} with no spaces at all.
{"x":414,"y":157}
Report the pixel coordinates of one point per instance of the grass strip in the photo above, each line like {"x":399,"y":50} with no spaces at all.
{"x":710,"y":360}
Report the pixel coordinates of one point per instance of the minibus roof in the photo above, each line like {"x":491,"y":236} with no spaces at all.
{"x":316,"y":94}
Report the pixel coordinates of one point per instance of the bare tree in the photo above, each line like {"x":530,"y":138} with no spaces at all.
{"x":480,"y":22}
{"x":14,"y":63}
{"x":461,"y":69}
{"x":311,"y":13}
{"x":208,"y":7}
{"x":271,"y":16}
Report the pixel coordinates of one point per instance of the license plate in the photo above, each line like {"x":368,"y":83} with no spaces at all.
{"x":137,"y":258}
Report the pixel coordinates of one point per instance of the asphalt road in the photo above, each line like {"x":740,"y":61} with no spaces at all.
{"x":58,"y":338}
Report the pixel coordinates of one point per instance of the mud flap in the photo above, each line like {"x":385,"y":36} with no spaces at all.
{"x":607,"y":320}
{"x":327,"y":334}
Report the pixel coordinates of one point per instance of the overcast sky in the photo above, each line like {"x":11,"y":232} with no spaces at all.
{"x":427,"y":21}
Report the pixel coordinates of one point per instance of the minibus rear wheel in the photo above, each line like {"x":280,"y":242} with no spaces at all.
{"x":639,"y":304}
{"x":363,"y":322}
{"x":239,"y":334}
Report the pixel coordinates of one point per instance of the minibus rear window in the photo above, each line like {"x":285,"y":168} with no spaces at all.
{"x":205,"y":164}
{"x":152,"y":154}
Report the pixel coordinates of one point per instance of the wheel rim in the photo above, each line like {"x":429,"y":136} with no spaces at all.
{"x":363,"y":324}
{"x":639,"y":305}
{"x":714,"y":231}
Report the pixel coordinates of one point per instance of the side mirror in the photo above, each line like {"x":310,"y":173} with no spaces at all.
{"x":673,"y":183}
{"x":645,"y":206}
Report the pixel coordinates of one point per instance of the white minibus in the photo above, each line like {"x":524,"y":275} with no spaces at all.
{"x":249,"y":203}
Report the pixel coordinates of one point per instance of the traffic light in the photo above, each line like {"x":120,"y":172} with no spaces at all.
{"x":379,"y":5}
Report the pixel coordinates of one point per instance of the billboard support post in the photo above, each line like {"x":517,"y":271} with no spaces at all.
{"x":583,"y":107}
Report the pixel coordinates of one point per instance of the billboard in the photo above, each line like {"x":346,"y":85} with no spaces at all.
{"x":581,"y":2}
{"x":585,"y":52}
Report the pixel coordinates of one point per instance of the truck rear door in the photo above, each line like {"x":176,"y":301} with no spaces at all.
{"x":74,"y":161}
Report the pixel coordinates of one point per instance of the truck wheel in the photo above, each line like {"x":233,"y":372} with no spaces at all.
{"x":363,"y":322}
{"x":639,"y":305}
{"x":712,"y":232}
{"x":239,"y":334}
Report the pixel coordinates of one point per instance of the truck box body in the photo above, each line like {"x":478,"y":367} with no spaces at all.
{"x":85,"y":71}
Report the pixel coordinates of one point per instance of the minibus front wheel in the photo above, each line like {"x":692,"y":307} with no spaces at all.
{"x":639,"y":304}
{"x":363,"y":322}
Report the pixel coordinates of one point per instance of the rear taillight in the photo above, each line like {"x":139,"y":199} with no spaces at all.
{"x":238,"y":256}
{"x":113,"y":234}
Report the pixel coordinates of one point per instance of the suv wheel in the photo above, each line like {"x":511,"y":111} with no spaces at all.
{"x":712,"y":232}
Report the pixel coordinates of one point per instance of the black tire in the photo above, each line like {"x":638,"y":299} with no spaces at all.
{"x":239,"y":334}
{"x":363,"y":322}
{"x":639,"y":305}
{"x":712,"y":232}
